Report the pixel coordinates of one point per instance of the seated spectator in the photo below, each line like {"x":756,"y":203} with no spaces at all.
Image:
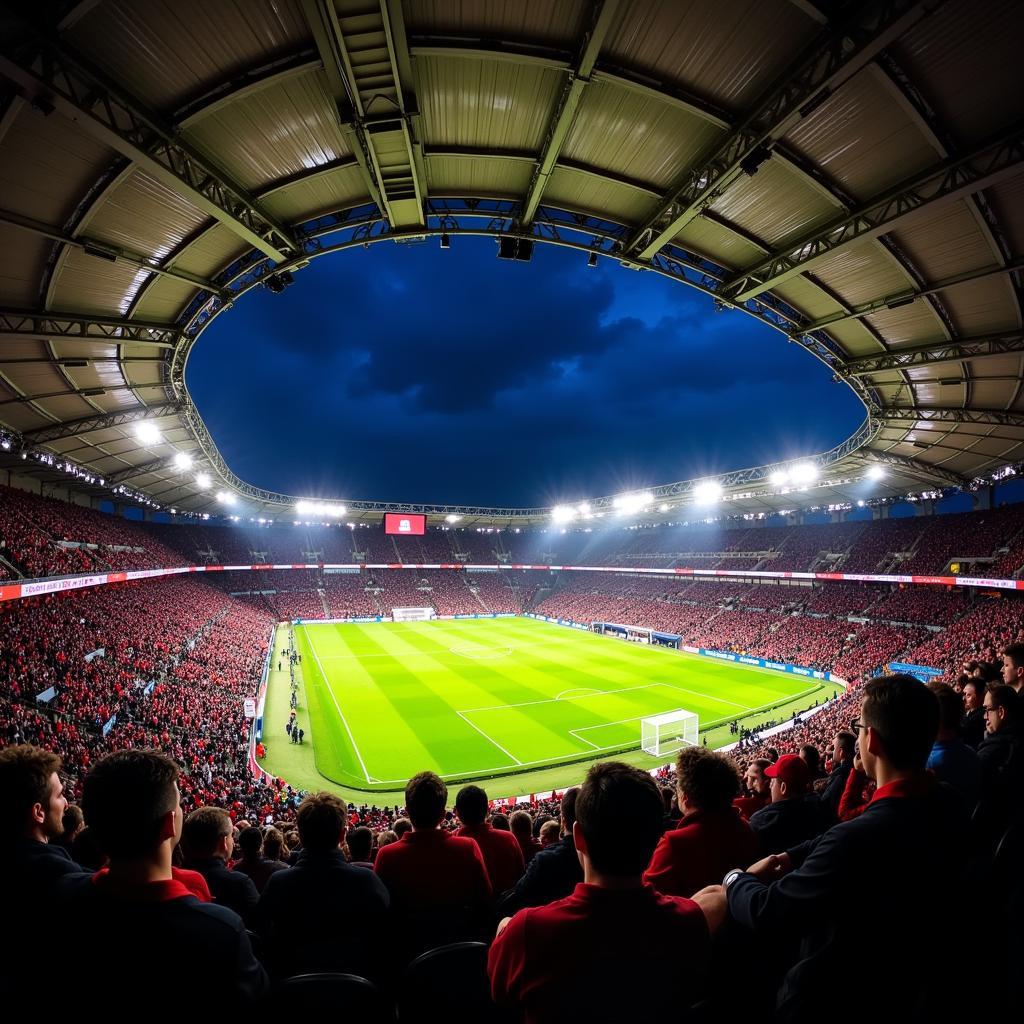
{"x":549,"y":833}
{"x":438,"y":882}
{"x":842,"y":896}
{"x":1013,"y":667}
{"x":73,"y":823}
{"x":793,"y":815}
{"x":972,"y":724}
{"x":274,"y":848}
{"x":554,"y":872}
{"x":252,"y":861}
{"x":951,"y":760}
{"x":207,"y":842}
{"x":759,"y":788}
{"x":614,"y":941}
{"x":385,"y":838}
{"x":1002,"y":750}
{"x":501,"y":851}
{"x":136,"y":914}
{"x":323,"y":914}
{"x":711,"y":835}
{"x":500,"y":822}
{"x":521,"y":825}
{"x":401,"y":827}
{"x":360,"y":847}
{"x":842,"y":763}
{"x":809,"y":752}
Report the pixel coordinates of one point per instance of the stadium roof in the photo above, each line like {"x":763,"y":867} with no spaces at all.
{"x":850,"y":172}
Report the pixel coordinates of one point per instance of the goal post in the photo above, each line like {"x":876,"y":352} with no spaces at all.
{"x":411,"y":614}
{"x":669,"y":732}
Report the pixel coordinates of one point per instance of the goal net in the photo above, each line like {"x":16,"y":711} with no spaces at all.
{"x":667,"y":733}
{"x":411,"y":614}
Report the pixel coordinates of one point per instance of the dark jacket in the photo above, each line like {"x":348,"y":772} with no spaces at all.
{"x":37,"y":867}
{"x":972,"y":728}
{"x":552,"y":875}
{"x":324,"y":914}
{"x":231,"y":889}
{"x":830,"y":796}
{"x":1002,"y":758}
{"x":875,"y":882}
{"x":786,"y":823}
{"x":259,"y":870}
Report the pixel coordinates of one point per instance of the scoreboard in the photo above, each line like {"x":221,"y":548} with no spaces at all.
{"x":405,"y":523}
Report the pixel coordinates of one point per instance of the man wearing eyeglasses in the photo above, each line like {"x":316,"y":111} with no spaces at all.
{"x":871,"y":886}
{"x":1002,"y":750}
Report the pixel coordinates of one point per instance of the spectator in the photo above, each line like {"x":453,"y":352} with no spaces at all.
{"x":385,"y":838}
{"x":549,"y":833}
{"x":207,"y":842}
{"x":841,"y":898}
{"x":711,"y":835}
{"x":793,"y":815}
{"x":972,"y":724}
{"x":499,"y":821}
{"x":1013,"y":667}
{"x":501,"y":850}
{"x":672,"y":814}
{"x":252,"y":862}
{"x":759,"y":788}
{"x":86,"y":851}
{"x":274,"y":848}
{"x":842,"y":763}
{"x":360,"y":847}
{"x":951,"y":760}
{"x":1002,"y":752}
{"x":401,"y":827}
{"x":73,"y":822}
{"x":809,"y":752}
{"x":580,"y":957}
{"x":136,"y":914}
{"x":323,"y":914}
{"x":521,"y":825}
{"x":554,"y":872}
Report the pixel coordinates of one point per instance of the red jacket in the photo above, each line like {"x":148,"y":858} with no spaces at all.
{"x":700,"y":851}
{"x":431,"y":869}
{"x":501,"y":852}
{"x":748,"y":805}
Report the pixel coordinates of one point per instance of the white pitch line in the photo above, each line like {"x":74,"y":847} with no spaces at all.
{"x":489,"y":739}
{"x":583,"y":739}
{"x":341,"y":714}
{"x":552,"y":700}
{"x":706,"y":696}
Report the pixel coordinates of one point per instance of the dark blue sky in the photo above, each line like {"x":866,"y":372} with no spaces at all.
{"x":409,"y":373}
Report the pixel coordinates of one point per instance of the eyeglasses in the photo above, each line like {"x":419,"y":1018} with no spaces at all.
{"x":988,"y":710}
{"x":856,"y":725}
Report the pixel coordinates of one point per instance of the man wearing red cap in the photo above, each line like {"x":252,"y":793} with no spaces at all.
{"x":794,"y":814}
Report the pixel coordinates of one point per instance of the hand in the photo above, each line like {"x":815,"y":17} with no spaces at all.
{"x":771,"y":868}
{"x":713,"y":903}
{"x":502,"y":924}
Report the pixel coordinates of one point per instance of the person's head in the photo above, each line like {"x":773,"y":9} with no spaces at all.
{"x":360,"y":843}
{"x":521,"y":825}
{"x":32,"y":801}
{"x":86,"y":852}
{"x":1013,"y":666}
{"x":250,"y":842}
{"x":705,"y":780}
{"x":73,"y":821}
{"x":618,"y":820}
{"x":549,"y":832}
{"x":385,"y":838}
{"x":207,"y":833}
{"x":899,"y":720}
{"x":273,"y":845}
{"x":425,"y":797}
{"x":758,"y":784}
{"x":567,"y":809}
{"x":471,"y":805}
{"x":500,"y":821}
{"x":772,"y":754}
{"x":842,"y":746}
{"x":401,"y":827}
{"x":789,"y":777}
{"x":950,"y":708}
{"x":322,"y":819}
{"x":132,"y":805}
{"x":974,"y":693}
{"x":812,"y":757}
{"x":1001,"y":706}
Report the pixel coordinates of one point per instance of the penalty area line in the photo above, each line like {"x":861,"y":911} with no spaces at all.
{"x":490,"y":739}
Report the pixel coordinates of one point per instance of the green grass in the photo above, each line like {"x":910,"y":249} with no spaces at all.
{"x":519,"y":702}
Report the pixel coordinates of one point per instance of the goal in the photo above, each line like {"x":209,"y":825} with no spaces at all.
{"x":411,"y":614}
{"x":667,"y":733}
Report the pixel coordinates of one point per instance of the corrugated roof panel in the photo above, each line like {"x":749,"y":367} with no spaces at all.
{"x":991,"y":394}
{"x":944,"y":241}
{"x":718,"y":243}
{"x":907,"y":325}
{"x":776,"y":204}
{"x":142,"y":375}
{"x":631,"y":135}
{"x":274,"y":133}
{"x":22,"y":261}
{"x":180,"y":48}
{"x":24,"y":348}
{"x":555,"y":24}
{"x":143,"y":215}
{"x":862,"y":273}
{"x":807,"y":297}
{"x":323,"y":193}
{"x":577,"y":190}
{"x":729,"y":53}
{"x":67,"y":407}
{"x":92,"y":285}
{"x":477,"y":176}
{"x":47,"y":164}
{"x":163,"y":300}
{"x":862,"y":139}
{"x":1007,"y":201}
{"x":211,"y":251}
{"x":34,"y":378}
{"x":965,"y":57}
{"x":485,"y":104}
{"x":854,"y":337}
{"x":24,"y":417}
{"x":981,"y":306}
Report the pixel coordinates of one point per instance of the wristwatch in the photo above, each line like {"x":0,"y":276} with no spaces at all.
{"x":730,"y":878}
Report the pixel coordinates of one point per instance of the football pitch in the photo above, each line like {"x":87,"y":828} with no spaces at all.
{"x":476,"y":699}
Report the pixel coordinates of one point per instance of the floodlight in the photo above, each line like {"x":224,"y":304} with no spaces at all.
{"x":203,"y":481}
{"x":875,"y":472}
{"x":225,"y":497}
{"x":182,"y":460}
{"x":663,"y":507}
{"x":804,"y":473}
{"x":148,"y":433}
{"x":563,"y":513}
{"x":779,"y":477}
{"x":583,"y":508}
{"x":707,"y":491}
{"x":452,"y":518}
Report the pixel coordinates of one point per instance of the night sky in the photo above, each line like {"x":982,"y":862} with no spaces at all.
{"x":407,"y":373}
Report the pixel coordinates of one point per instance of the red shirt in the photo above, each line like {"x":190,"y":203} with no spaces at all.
{"x":600,"y":954}
{"x":700,"y":851}
{"x":428,"y":870}
{"x":501,"y":853}
{"x":748,"y":805}
{"x":181,"y":883}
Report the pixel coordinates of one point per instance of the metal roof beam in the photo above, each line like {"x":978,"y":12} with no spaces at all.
{"x":45,"y":435}
{"x":834,"y":56}
{"x":915,"y":466}
{"x":941,"y":183}
{"x":932,"y":414}
{"x":944,"y":351}
{"x":600,"y":17}
{"x":129,"y":472}
{"x":100,"y":107}
{"x":91,"y":327}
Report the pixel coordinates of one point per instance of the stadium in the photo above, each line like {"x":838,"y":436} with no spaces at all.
{"x":702,"y":687}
